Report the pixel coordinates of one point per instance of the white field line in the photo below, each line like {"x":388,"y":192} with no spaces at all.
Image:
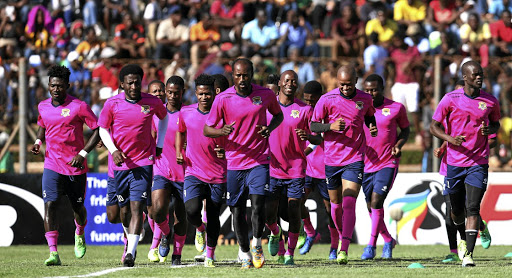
{"x":111,"y":270}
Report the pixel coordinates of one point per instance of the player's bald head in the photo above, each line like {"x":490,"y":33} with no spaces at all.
{"x":288,"y":72}
{"x":348,"y":72}
{"x":467,"y":66}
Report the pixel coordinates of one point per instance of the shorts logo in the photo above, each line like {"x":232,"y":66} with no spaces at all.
{"x":144,"y":195}
{"x":360,"y":176}
{"x":482,"y":105}
{"x":120,"y":198}
{"x":386,"y":111}
{"x":227,"y":195}
{"x":295,"y":114}
{"x":327,"y":180}
{"x":184,"y":193}
{"x":256,"y":100}
{"x":484,"y":181}
{"x":65,"y":112}
{"x":385,"y":188}
{"x":267,"y":188}
{"x":145,"y":109}
{"x":359,"y":105}
{"x":80,"y":200}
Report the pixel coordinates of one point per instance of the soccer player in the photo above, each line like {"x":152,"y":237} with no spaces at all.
{"x":125,"y":129}
{"x":272,"y":83}
{"x":315,"y":180}
{"x":61,"y":119}
{"x":221,"y":83}
{"x":288,"y":164}
{"x":206,"y":167}
{"x":381,"y":160}
{"x":471,"y":115}
{"x":241,"y":110}
{"x":340,"y":115}
{"x":169,"y":177}
{"x":157,"y":88}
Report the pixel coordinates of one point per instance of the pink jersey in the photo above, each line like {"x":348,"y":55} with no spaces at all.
{"x":347,"y":146}
{"x":110,"y":164}
{"x":166,"y":165}
{"x":202,"y":161}
{"x":464,"y":116}
{"x":64,"y":129}
{"x":388,"y":116}
{"x":245,"y":148}
{"x":316,"y":164}
{"x":287,"y":159}
{"x":443,"y":167}
{"x":130,"y":128}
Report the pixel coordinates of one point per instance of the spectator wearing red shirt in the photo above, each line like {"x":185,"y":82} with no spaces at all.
{"x":105,"y":73}
{"x":442,"y":14}
{"x":501,"y":32}
{"x":228,"y":15}
{"x":348,"y":31}
{"x":129,"y":39}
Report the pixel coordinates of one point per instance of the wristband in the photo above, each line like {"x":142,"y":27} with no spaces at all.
{"x":83,"y":153}
{"x":38,"y":142}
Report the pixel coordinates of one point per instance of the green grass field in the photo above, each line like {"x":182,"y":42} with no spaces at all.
{"x":27,"y":261}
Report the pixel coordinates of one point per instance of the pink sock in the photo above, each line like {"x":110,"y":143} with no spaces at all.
{"x":157,"y":235}
{"x":282,"y":250}
{"x":335,"y":237}
{"x":201,"y":228}
{"x":51,"y":238}
{"x":125,"y":239}
{"x":205,"y":218}
{"x":383,"y":230}
{"x":273,"y":228}
{"x":337,"y":217}
{"x":179,"y":242}
{"x":292,"y":243}
{"x":349,"y":221}
{"x":151,"y":224}
{"x":376,"y":216}
{"x":164,"y":227}
{"x":80,"y":228}
{"x":210,"y":252}
{"x":453,"y":251}
{"x":308,"y":227}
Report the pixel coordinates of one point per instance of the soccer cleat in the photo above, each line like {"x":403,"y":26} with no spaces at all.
{"x":309,"y":243}
{"x":302,"y":236}
{"x":246,"y":264}
{"x":452,"y":257}
{"x":208,"y":262}
{"x":288,"y":260}
{"x":485,"y":237}
{"x":280,"y":259}
{"x":332,"y":254}
{"x":368,"y":253}
{"x":200,"y":241}
{"x":342,"y":257}
{"x":176,"y":259}
{"x":163,"y":248}
{"x":129,"y":261}
{"x":54,"y":259}
{"x":153,"y":255}
{"x":467,"y":261}
{"x":387,"y":250}
{"x":462,"y":248}
{"x":258,"y":259}
{"x":162,"y":259}
{"x":273,"y":242}
{"x":202,"y":257}
{"x":80,"y":247}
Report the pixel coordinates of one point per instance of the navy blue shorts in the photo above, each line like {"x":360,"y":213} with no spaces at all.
{"x":242,"y":183}
{"x":56,"y":185}
{"x":111,"y":192}
{"x":379,"y":182}
{"x":457,"y":177}
{"x":194,"y":188}
{"x":293,"y":188}
{"x":133,"y":184}
{"x":320,"y":184}
{"x":352,"y":172}
{"x":175,"y":187}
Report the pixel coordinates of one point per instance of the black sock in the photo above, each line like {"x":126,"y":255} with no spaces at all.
{"x":462,"y":231}
{"x":471,"y":240}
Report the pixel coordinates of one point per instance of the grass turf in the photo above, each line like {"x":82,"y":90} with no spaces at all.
{"x":27,"y":261}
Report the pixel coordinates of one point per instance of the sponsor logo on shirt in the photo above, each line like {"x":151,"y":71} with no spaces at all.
{"x":386,"y":111}
{"x":145,"y":109}
{"x":359,"y":105}
{"x":256,"y":100}
{"x":65,"y":112}
{"x":482,"y":105}
{"x":295,"y":114}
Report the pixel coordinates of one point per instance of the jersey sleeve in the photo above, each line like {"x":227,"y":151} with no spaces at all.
{"x":273,"y":106}
{"x":88,"y":116}
{"x":105,"y":119}
{"x":371,"y":110}
{"x":402,"y":120}
{"x":442,"y":109}
{"x":307,"y":119}
{"x":160,"y":110}
{"x":320,"y":112}
{"x":182,"y":127}
{"x":216,"y":113}
{"x":40,"y":121}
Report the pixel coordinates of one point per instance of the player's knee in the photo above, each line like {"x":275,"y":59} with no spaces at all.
{"x":113,"y":214}
{"x":473,"y":208}
{"x":193,"y":208}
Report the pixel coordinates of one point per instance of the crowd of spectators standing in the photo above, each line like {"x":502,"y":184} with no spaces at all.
{"x":393,"y":38}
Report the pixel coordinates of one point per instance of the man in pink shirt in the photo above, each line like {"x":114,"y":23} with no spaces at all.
{"x":61,"y":120}
{"x":288,"y":164}
{"x":205,"y":168}
{"x":381,"y":160}
{"x":169,"y":176}
{"x":242,"y":110}
{"x":471,"y":115}
{"x":340,"y":115}
{"x":125,"y":129}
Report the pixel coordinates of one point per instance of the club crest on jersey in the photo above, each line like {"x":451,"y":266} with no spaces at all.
{"x":482,"y":105}
{"x":295,"y":114}
{"x":359,"y":105}
{"x":256,"y":100}
{"x":386,"y":112}
{"x":65,"y":112}
{"x":145,"y":109}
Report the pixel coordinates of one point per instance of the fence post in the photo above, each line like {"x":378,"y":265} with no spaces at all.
{"x":23,"y":111}
{"x":436,"y":143}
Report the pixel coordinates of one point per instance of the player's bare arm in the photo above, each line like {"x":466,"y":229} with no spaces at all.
{"x":213,"y":132}
{"x":400,"y":142}
{"x":274,"y":123}
{"x":39,"y":141}
{"x":372,"y":125}
{"x":78,"y":160}
{"x":178,"y":144}
{"x":436,"y":128}
{"x":492,"y":128}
